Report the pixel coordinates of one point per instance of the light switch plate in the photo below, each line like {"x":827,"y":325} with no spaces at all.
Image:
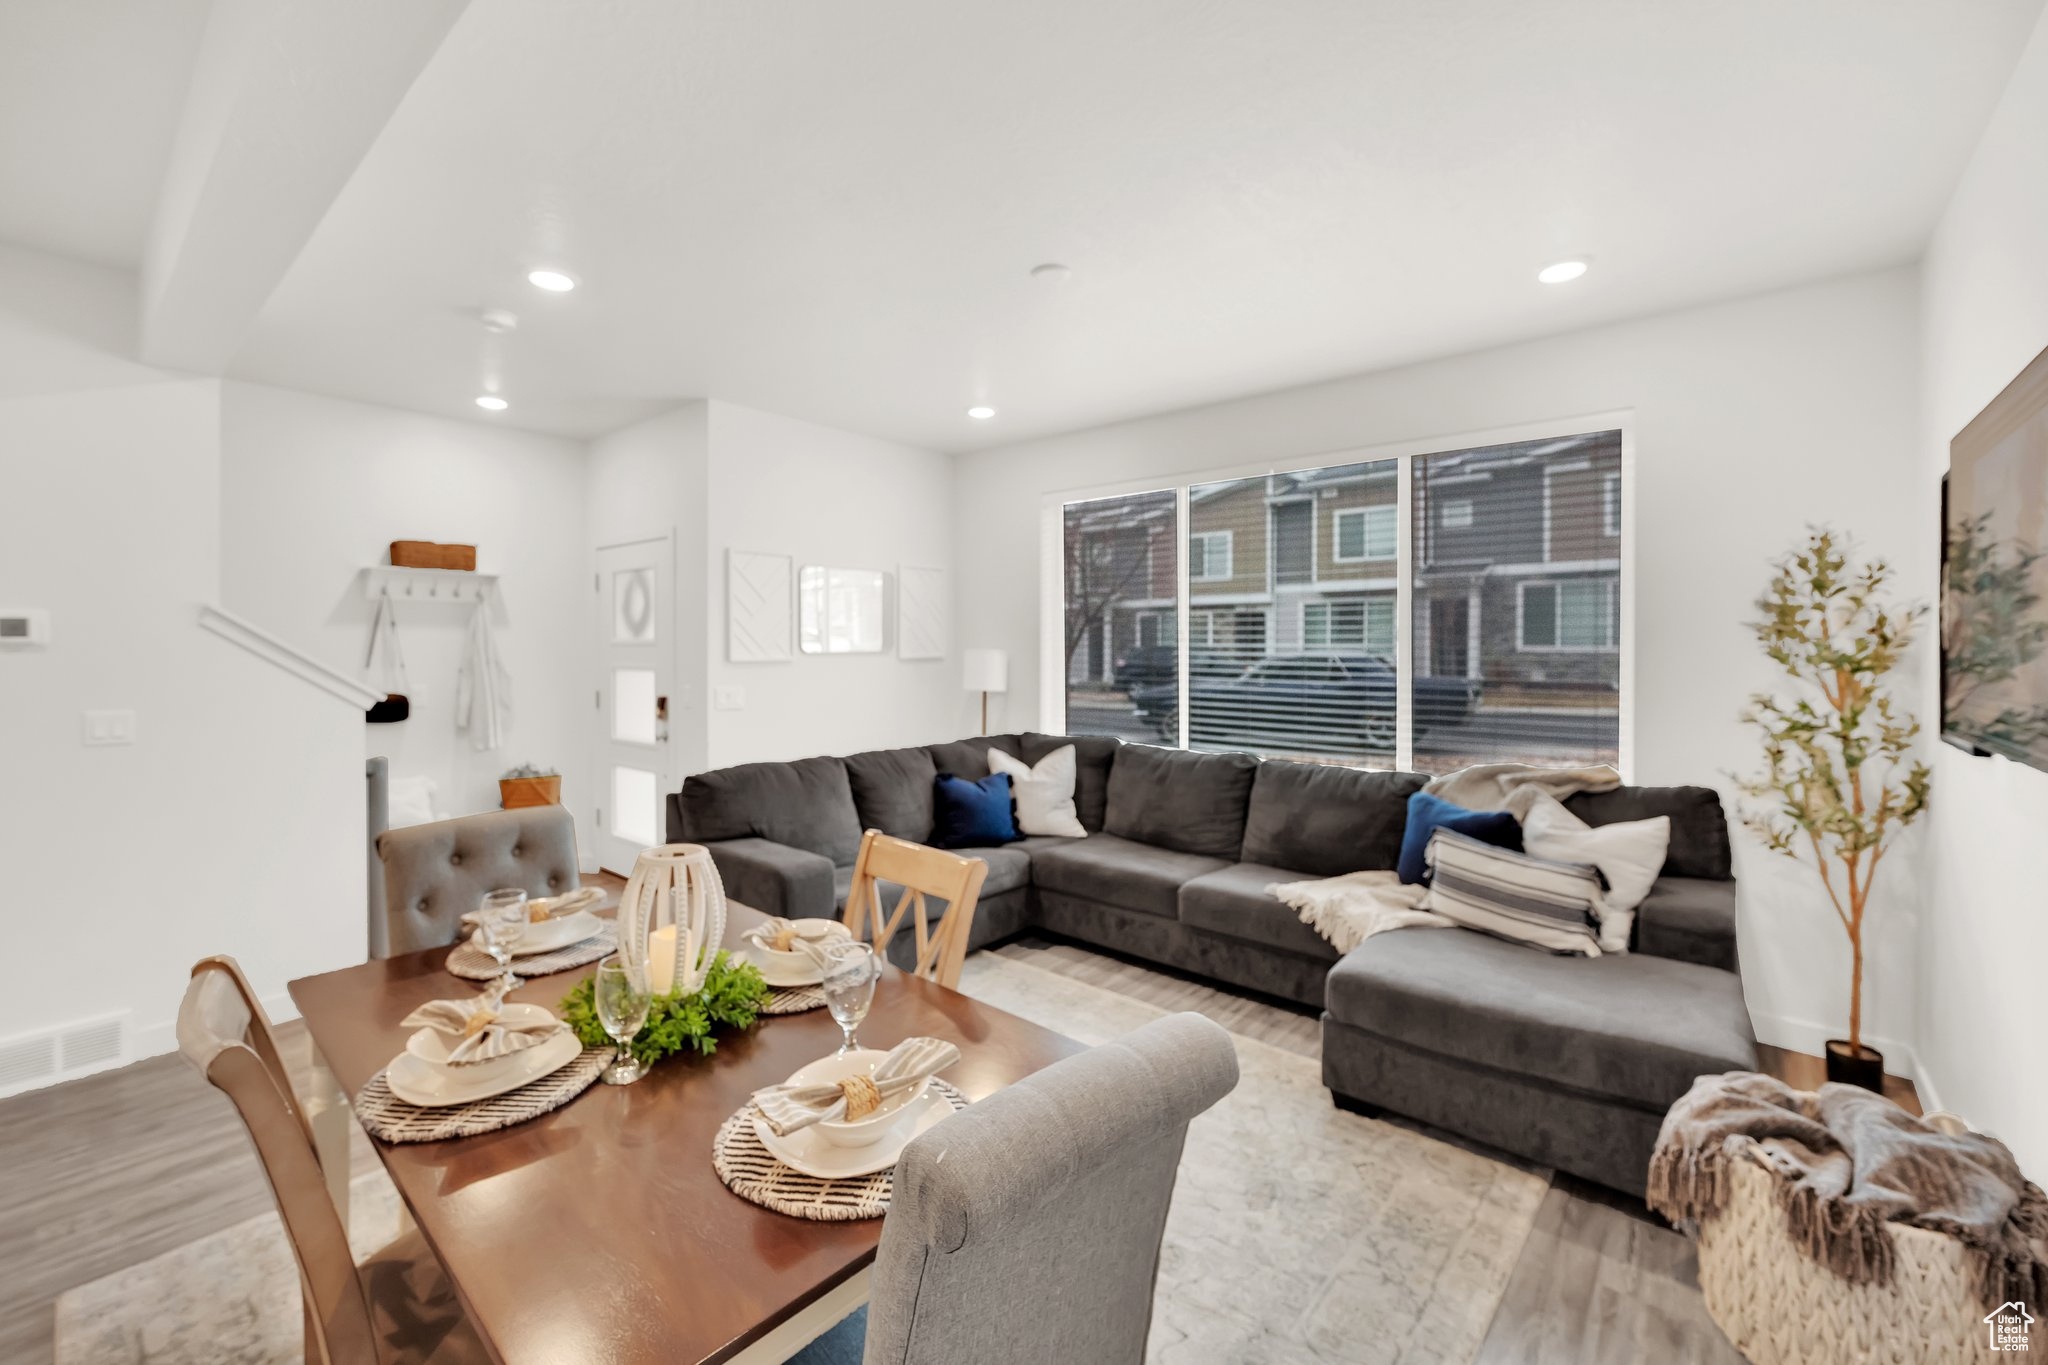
{"x":729,"y":698}
{"x":109,"y":727}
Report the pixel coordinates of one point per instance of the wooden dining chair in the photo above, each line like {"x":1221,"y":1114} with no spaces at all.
{"x":1026,"y":1228}
{"x":917,"y":872}
{"x":396,"y":1308}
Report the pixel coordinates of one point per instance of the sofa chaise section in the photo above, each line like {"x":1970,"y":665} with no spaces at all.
{"x":1568,"y":1061}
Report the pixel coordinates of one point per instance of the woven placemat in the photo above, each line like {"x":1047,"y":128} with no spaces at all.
{"x":793,"y":999}
{"x":385,"y":1115}
{"x":750,"y":1171}
{"x":472,"y":963}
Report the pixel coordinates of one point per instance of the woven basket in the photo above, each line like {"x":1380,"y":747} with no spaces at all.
{"x":1779,"y":1307}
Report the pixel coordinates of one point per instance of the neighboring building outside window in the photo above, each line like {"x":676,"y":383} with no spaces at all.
{"x":1367,"y":533}
{"x":1209,"y":557}
{"x":1513,"y":643}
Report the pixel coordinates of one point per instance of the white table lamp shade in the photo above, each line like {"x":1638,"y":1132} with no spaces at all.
{"x":987,"y":670}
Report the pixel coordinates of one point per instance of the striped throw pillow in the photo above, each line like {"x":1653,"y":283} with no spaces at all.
{"x":1535,"y":901}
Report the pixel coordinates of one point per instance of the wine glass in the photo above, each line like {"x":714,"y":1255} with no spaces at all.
{"x":620,"y":993}
{"x":500,"y":924}
{"x":849,"y":987}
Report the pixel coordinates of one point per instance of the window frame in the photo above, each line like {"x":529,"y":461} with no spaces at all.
{"x":1364,"y":514}
{"x":1051,"y":692}
{"x":1229,"y":556}
{"x":1611,"y":616}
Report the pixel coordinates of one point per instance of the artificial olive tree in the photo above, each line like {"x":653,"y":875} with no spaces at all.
{"x":1840,"y":780}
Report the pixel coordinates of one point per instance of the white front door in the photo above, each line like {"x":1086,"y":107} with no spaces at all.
{"x":635,"y":624}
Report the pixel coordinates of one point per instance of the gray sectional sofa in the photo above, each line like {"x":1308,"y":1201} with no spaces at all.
{"x":1567,"y":1061}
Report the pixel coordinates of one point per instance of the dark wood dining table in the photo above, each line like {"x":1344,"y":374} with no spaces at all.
{"x":600,"y":1232}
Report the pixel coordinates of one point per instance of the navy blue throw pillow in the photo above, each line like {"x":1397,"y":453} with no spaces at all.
{"x":1427,"y":814}
{"x":972,"y":814}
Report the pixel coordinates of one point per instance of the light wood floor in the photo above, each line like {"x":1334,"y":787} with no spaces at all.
{"x":108,"y":1171}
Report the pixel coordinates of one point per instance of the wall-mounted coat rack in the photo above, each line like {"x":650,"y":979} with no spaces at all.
{"x":427,"y":585}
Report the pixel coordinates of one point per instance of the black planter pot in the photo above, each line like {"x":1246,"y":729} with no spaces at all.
{"x":1862,"y":1066}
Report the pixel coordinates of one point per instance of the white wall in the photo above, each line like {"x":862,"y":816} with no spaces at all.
{"x":1752,"y":418}
{"x":1986,"y":930}
{"x":829,"y":498}
{"x":234,"y":824}
{"x":314,"y":489}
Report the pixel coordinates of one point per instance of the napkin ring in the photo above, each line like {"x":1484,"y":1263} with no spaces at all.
{"x":862,"y":1098}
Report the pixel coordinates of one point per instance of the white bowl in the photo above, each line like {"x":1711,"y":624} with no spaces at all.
{"x":863,"y":1132}
{"x":788,"y":965}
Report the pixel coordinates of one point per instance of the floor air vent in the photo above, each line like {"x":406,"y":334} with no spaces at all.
{"x":38,"y":1059}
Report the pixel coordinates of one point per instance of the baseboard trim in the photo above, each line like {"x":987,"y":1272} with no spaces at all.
{"x":1805,"y":1035}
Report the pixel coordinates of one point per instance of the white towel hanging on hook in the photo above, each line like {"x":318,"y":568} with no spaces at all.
{"x":483,"y":689}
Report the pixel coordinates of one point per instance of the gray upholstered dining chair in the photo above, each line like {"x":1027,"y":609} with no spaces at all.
{"x":435,"y":874}
{"x":396,"y":1307}
{"x":1026,"y":1228}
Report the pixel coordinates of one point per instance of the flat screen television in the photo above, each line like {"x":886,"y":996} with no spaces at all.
{"x":1994,"y":576}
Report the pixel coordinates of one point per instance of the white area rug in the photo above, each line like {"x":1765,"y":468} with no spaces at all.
{"x":1299,"y":1233}
{"x":228,"y":1299}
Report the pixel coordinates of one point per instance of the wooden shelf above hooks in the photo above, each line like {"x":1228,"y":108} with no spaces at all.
{"x":428,"y":585}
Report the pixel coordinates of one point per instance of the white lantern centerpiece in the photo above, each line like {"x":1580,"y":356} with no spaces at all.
{"x":672,"y":917}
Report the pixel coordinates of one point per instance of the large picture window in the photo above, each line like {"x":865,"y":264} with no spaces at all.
{"x":1509,"y":558}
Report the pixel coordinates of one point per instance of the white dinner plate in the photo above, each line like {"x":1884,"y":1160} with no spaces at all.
{"x":775,"y":974}
{"x":551,"y":934}
{"x":420,"y":1082}
{"x":807,"y":1153}
{"x":432,"y":1046}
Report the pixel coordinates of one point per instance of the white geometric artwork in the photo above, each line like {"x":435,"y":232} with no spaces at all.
{"x":923,"y":614}
{"x":759,"y":617}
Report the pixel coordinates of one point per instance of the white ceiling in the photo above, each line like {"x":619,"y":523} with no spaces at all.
{"x":829,"y":210}
{"x":90,"y":94}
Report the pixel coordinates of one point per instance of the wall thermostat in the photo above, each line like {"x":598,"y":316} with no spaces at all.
{"x":24,"y":627}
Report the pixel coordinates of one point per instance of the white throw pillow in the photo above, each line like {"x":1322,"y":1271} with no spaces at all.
{"x":1628,"y":853}
{"x":1045,"y":792}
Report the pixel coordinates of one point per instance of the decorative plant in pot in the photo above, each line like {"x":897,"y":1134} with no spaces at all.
{"x":527,"y":785}
{"x":1839,"y":782}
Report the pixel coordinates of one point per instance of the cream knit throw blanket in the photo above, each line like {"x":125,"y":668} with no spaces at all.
{"x":1348,"y":910}
{"x":1847,"y":1163}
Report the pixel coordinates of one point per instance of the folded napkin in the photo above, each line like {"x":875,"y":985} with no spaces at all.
{"x":811,"y":937}
{"x":477,"y":1031}
{"x":790,"y":1107}
{"x":552,"y":907}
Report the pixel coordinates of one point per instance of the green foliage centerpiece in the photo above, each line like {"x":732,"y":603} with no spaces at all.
{"x":730,"y":998}
{"x":1839,"y":781}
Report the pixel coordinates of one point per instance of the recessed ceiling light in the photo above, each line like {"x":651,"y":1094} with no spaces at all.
{"x":981,"y":412}
{"x":554,"y":281}
{"x":1562,"y":272}
{"x":1052,"y":272}
{"x":490,"y":402}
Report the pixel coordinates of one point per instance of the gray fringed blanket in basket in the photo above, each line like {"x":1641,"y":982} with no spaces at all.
{"x":1849,"y":1161}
